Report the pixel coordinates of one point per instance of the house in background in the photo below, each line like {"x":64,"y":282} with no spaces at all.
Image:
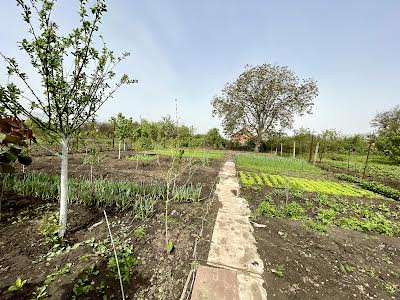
{"x":242,"y":136}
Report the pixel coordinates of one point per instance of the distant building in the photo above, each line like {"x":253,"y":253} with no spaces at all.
{"x":242,"y":136}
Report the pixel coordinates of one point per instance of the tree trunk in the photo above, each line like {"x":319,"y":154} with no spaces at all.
{"x":281,"y":149}
{"x":63,"y":187}
{"x":316,"y":154}
{"x":124,"y":145}
{"x":258,"y":144}
{"x":119,"y":150}
{"x":294,"y":149}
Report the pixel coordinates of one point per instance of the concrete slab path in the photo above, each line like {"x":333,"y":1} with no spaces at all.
{"x":233,"y":247}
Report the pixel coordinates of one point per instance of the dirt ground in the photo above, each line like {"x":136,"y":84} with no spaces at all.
{"x":341,"y":264}
{"x":110,"y":167}
{"x":157,"y":276}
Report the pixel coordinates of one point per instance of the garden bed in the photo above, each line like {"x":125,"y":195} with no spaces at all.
{"x":81,"y":266}
{"x":320,"y":238}
{"x":319,"y":246}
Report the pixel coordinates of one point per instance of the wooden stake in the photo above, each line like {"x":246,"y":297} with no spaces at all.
{"x":116,"y":257}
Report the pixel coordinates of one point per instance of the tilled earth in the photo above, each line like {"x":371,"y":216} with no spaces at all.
{"x":24,"y":254}
{"x":342,"y":264}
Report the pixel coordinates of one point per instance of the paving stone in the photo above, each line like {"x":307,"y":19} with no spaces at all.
{"x":214,"y":284}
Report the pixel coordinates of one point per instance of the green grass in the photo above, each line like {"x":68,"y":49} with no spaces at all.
{"x":274,"y":164}
{"x":197,"y":153}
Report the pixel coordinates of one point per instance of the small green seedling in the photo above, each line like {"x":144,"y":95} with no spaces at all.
{"x":139,"y":232}
{"x":170,"y":246}
{"x":391,"y":288}
{"x":19,"y":283}
{"x":279,"y":271}
{"x":345,"y":268}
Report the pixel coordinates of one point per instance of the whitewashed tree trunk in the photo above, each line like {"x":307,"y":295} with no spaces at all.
{"x":124,"y":146}
{"x":294,"y":149}
{"x":316,"y":154}
{"x":119,"y":150}
{"x":63,"y":187}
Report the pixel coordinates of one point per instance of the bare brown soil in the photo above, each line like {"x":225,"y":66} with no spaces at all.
{"x":313,"y":264}
{"x":158,"y":275}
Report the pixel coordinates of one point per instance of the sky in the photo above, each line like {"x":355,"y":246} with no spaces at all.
{"x":188,"y":50}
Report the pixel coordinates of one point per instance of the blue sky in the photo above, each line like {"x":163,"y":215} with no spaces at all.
{"x":189,"y":49}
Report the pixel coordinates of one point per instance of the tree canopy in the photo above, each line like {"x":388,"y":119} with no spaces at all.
{"x":264,"y":99}
{"x":388,"y":125}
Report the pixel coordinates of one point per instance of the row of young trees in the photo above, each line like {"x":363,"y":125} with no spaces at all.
{"x":124,"y":133}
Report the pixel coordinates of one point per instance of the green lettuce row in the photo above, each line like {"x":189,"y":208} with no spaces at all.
{"x":309,"y":185}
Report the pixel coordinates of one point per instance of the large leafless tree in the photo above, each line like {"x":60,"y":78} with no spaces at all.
{"x":264,"y":99}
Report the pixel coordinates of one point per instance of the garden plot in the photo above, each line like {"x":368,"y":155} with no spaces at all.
{"x":276,"y":165}
{"x":320,"y":238}
{"x":304,"y":184}
{"x":379,"y":168}
{"x":82,"y":264}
